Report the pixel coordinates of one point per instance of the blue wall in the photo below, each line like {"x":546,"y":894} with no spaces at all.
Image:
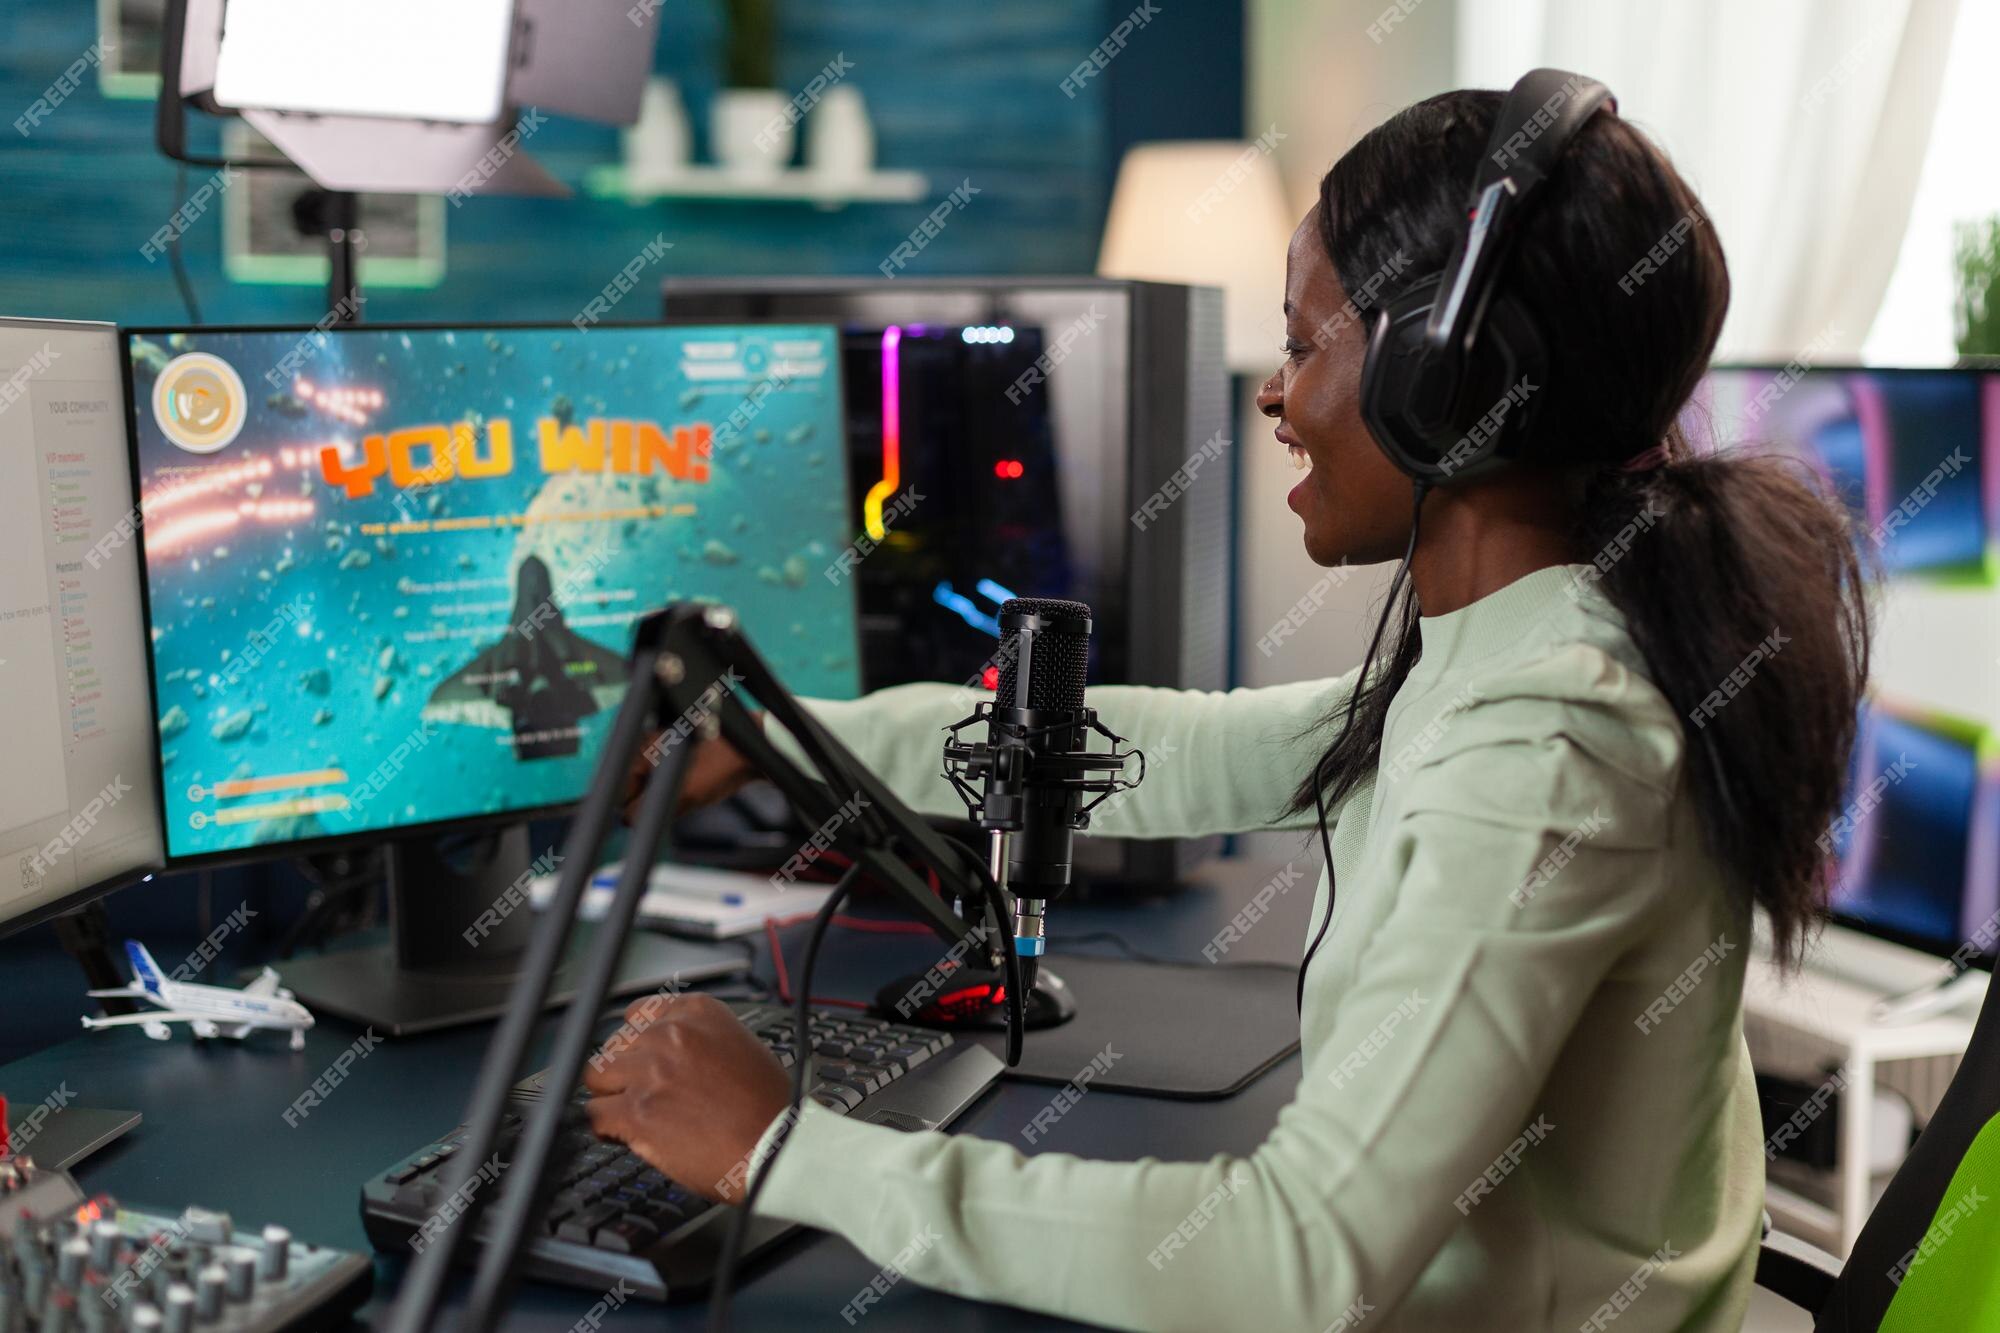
{"x":959,"y":91}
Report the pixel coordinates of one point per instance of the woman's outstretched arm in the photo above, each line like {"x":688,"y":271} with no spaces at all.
{"x":1215,"y":762}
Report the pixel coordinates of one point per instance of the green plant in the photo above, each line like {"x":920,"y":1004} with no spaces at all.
{"x":1976,"y":257}
{"x":750,"y":43}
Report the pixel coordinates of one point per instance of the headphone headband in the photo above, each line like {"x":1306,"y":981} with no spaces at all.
{"x":1542,"y":113}
{"x":1414,"y":406}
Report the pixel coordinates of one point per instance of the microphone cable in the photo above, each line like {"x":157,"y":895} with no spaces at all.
{"x":1421,"y":489}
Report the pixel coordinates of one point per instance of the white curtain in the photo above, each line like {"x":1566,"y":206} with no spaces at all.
{"x":1802,"y":124}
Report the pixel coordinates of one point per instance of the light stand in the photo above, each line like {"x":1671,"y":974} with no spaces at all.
{"x":689,"y":662}
{"x":335,"y":215}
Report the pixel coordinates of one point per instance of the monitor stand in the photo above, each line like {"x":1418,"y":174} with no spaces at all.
{"x":459,"y":924}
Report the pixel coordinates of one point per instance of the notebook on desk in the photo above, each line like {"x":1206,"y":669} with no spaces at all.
{"x":697,"y":901}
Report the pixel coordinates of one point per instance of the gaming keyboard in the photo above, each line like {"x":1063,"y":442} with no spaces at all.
{"x":78,"y":1264}
{"x":616,"y":1218}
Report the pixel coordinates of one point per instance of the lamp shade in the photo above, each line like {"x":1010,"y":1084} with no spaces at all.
{"x":1210,"y":212}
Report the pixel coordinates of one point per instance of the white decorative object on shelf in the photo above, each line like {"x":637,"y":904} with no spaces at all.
{"x":660,"y":141}
{"x":840,"y":139}
{"x":749,"y":131}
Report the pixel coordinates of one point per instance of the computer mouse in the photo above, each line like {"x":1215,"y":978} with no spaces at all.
{"x":971,"y":998}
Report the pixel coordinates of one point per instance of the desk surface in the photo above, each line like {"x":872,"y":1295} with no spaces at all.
{"x":213,"y":1132}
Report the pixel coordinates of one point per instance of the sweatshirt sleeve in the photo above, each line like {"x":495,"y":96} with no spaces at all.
{"x":1215,"y":762}
{"x":1419,"y":1076}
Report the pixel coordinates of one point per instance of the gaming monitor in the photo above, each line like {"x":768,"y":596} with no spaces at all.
{"x":78,"y":812}
{"x":1919,"y":839}
{"x":391,"y":573}
{"x":1915,"y":454}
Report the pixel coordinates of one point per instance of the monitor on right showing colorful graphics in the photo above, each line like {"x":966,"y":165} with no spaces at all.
{"x":1914,"y":453}
{"x":1918,"y":839}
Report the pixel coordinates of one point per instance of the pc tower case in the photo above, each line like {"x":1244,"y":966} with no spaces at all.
{"x":1036,"y":417}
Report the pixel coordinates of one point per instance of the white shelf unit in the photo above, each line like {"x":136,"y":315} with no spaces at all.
{"x":800,"y":185}
{"x":1797,"y":1026}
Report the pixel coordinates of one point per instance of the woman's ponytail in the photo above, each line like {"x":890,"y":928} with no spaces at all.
{"x":1739,"y":581}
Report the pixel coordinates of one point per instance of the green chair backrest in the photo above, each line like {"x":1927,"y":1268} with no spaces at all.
{"x":1951,"y":1278}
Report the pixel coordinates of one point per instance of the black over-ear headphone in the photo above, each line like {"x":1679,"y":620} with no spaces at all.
{"x":1451,"y":369}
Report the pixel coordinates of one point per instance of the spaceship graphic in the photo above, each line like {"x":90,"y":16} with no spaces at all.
{"x":538,"y":681}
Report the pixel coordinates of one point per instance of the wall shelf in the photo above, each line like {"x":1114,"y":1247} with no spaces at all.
{"x":794,"y":185}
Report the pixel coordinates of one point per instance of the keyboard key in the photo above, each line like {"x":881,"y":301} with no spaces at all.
{"x":849,"y":1098}
{"x":857,"y":1075}
{"x":909,"y":1056}
{"x":627,"y":1235}
{"x":584,"y":1225}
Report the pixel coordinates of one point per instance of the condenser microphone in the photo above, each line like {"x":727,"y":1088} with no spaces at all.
{"x":1027,"y":783}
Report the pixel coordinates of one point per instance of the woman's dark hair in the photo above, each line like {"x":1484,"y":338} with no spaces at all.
{"x":1705,"y":555}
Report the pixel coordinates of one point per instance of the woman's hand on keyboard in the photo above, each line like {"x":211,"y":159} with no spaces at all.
{"x":688,"y":1088}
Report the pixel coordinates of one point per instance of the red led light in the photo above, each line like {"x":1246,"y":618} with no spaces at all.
{"x":990,"y":678}
{"x":1008,"y":468}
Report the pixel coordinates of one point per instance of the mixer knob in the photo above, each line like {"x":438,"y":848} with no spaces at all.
{"x":71,"y":1261}
{"x":274,"y":1259}
{"x":180,"y":1308}
{"x":104,"y":1238}
{"x":210,"y":1284}
{"x":242,"y":1267}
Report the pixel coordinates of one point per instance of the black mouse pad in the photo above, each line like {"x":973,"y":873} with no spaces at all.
{"x":1187,"y":1030}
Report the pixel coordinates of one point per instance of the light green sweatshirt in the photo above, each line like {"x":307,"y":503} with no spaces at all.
{"x":1525,"y":1102}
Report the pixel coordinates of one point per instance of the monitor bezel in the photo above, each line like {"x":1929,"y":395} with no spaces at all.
{"x":84,"y":895}
{"x":70,"y":902}
{"x":457,"y":824}
{"x":1985,"y":962}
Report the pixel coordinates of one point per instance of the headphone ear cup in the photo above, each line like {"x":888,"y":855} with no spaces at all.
{"x":1402,"y":406}
{"x":1509,"y":366}
{"x":1390,"y":378}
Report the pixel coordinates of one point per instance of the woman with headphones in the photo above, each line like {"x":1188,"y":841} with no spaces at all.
{"x":1605,"y":716}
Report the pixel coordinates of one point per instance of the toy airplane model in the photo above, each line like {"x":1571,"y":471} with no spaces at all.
{"x":209,"y":1011}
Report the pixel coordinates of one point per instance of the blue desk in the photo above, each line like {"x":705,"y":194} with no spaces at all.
{"x":214,"y":1132}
